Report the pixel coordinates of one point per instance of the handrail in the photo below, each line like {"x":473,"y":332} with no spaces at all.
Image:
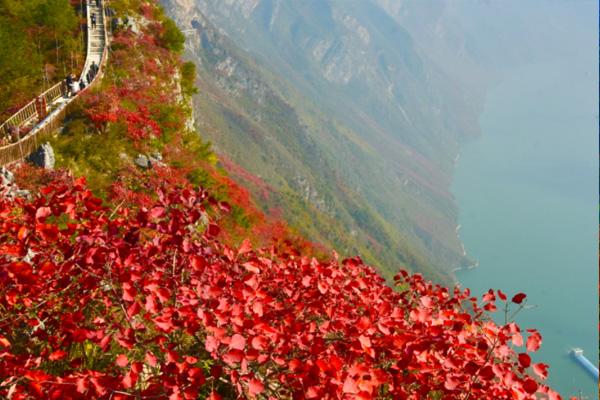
{"x":25,"y":114}
{"x":47,"y":98}
{"x":53,"y":93}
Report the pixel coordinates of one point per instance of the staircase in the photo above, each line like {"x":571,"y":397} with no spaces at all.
{"x":96,"y":37}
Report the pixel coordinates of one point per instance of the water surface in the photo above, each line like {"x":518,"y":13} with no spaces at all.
{"x":527,"y":193}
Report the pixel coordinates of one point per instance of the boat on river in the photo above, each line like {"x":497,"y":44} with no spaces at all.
{"x":582,"y":360}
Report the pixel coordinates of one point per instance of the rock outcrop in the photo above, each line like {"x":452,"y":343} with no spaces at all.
{"x":43,"y":157}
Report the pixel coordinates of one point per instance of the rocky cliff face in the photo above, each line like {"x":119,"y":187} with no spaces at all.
{"x":336,"y":106}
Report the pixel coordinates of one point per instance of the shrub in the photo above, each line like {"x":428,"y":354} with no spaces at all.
{"x":172,"y":38}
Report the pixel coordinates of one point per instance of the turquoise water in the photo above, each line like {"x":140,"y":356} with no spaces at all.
{"x":527,"y":193}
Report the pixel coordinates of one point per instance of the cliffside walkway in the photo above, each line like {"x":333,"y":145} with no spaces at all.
{"x":21,"y":133}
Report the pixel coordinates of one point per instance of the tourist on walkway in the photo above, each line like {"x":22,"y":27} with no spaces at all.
{"x":94,"y":68}
{"x":93,"y":18}
{"x":81,"y":85}
{"x":68,"y":83}
{"x":74,"y":86}
{"x":14,"y":134}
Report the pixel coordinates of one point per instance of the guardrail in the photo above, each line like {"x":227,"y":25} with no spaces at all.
{"x":41,"y":108}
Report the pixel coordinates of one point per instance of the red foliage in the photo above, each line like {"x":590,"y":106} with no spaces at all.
{"x":101,"y":303}
{"x":246,"y":176}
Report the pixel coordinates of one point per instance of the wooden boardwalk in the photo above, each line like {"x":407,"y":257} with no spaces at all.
{"x":45,"y":113}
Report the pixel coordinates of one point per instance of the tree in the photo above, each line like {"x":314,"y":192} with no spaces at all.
{"x":172,"y":38}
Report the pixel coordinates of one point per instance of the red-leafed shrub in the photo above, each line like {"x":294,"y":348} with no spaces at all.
{"x":144,"y":302}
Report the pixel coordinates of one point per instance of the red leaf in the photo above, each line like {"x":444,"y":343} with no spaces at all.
{"x":501,"y":295}
{"x":534,"y":341}
{"x":518,"y":298}
{"x":245,"y":247}
{"x":57,"y":355}
{"x":23,"y":232}
{"x":238,"y":342}
{"x":133,"y":309}
{"x":42,"y":213}
{"x":517,"y":339}
{"x":4,"y":342}
{"x":163,"y":294}
{"x":122,"y":360}
{"x":350,"y":386}
{"x":224,"y":206}
{"x":196,"y":375}
{"x":426,"y":301}
{"x":213,"y":230}
{"x":150,"y":305}
{"x":252,"y":267}
{"x":487,"y":373}
{"x":255,"y":387}
{"x":81,"y":385}
{"x":129,"y":292}
{"x":157,"y":212}
{"x":524,"y":360}
{"x":233,"y":356}
{"x":198,"y":263}
{"x":151,"y":359}
{"x":451,"y":383}
{"x":541,"y":370}
{"x":365,"y":342}
{"x":214,"y":396}
{"x":129,"y":379}
{"x":211,"y":344}
{"x":259,"y":343}
{"x":530,"y":386}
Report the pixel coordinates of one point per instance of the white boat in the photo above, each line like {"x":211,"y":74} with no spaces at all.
{"x":577,"y":353}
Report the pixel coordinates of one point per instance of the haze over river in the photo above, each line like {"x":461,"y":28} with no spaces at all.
{"x":527,"y":193}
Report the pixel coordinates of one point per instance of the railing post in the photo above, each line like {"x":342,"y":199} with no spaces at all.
{"x":41,"y":107}
{"x":18,"y":134}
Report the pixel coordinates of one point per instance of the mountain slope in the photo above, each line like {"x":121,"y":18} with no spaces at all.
{"x":156,"y":278}
{"x":329,"y":131}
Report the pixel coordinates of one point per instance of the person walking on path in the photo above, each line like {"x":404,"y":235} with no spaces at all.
{"x":74,"y":85}
{"x":69,"y":84}
{"x":93,"y":18}
{"x":94,"y":68}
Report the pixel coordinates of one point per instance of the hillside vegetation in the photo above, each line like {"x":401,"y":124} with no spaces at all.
{"x":354,"y":132}
{"x":40,"y":43}
{"x":166,"y":282}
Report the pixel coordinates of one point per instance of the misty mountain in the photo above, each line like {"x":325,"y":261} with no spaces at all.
{"x":346,"y":116}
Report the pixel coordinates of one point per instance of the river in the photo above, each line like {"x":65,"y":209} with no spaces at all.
{"x":527,"y":193}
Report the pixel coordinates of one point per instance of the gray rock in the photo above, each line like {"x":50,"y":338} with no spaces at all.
{"x":43,"y":156}
{"x":21,"y":193}
{"x":8,"y":188}
{"x":142,"y":161}
{"x":6,"y":177}
{"x":156,"y":156}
